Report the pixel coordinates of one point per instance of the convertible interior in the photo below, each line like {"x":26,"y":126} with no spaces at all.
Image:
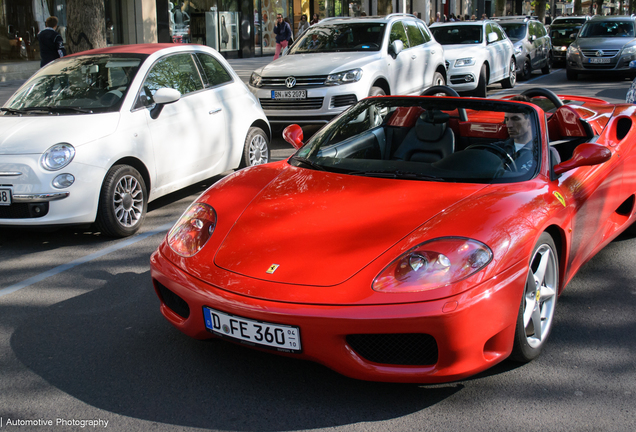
{"x":446,"y":139}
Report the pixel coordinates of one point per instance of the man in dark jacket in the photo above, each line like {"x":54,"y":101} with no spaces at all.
{"x":51,"y":43}
{"x":283,"y":34}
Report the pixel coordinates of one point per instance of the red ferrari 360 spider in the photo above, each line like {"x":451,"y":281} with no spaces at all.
{"x":412,"y":239}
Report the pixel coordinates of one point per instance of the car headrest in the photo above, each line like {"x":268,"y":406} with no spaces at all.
{"x":431,"y":125}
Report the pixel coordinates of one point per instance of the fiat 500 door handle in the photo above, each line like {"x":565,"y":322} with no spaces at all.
{"x":216,"y":110}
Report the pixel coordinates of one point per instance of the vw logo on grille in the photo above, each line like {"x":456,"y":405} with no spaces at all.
{"x":290,"y":82}
{"x":599,"y":53}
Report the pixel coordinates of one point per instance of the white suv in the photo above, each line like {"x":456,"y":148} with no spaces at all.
{"x":339,"y":61}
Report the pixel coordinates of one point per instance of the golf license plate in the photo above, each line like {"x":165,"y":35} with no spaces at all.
{"x":289,"y":94}
{"x":599,"y":60}
{"x":259,"y":333}
{"x":5,"y":197}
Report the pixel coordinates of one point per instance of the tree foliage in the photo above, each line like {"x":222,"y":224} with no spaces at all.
{"x":86,"y":25}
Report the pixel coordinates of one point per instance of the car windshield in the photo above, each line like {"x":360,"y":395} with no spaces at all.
{"x":607,"y":29}
{"x":568,"y":21}
{"x":563,"y":33}
{"x":458,"y":35}
{"x":515,"y":31}
{"x":428,"y":139}
{"x":77,"y":84}
{"x":340,"y":37}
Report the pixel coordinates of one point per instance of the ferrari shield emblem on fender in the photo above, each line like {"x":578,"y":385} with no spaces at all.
{"x":560,"y":198}
{"x":272,"y":269}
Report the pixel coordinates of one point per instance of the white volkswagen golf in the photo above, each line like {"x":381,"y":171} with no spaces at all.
{"x":94,"y":137}
{"x":339,"y":61}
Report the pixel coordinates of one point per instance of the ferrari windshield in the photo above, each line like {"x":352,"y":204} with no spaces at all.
{"x":458,"y":35}
{"x":430,"y":139}
{"x":364,"y":36}
{"x":77,"y":84}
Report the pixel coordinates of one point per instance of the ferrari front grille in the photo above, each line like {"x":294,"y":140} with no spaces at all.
{"x":175,"y":303}
{"x":406,"y":349}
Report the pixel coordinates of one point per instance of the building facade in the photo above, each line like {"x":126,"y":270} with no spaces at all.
{"x":237,"y":28}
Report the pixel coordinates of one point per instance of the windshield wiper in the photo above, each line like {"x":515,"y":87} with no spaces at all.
{"x":397,"y":175}
{"x":58,"y":108}
{"x":308,"y":162}
{"x":13,"y":110}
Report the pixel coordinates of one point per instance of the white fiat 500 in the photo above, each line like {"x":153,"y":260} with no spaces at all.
{"x":94,"y":137}
{"x":477,"y":53}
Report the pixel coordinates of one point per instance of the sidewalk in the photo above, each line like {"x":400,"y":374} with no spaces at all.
{"x":8,"y":86}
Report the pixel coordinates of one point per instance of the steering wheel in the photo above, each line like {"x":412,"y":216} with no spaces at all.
{"x":435,"y":90}
{"x":508,"y":161}
{"x":548,"y":94}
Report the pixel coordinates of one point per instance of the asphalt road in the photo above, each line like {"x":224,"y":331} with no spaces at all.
{"x":81,"y":338}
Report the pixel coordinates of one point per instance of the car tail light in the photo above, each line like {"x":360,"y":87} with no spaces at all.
{"x":192,"y":230}
{"x":433,"y":264}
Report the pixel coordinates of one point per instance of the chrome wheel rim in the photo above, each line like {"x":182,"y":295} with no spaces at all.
{"x":128,"y":201}
{"x":513,"y":73}
{"x":540,"y":296}
{"x":258,"y":151}
{"x":439,"y":81}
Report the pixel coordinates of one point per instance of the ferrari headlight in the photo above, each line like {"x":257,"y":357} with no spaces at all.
{"x":468,"y":61}
{"x":256,"y":80}
{"x":57,"y":157}
{"x":192,"y":230}
{"x":344,"y":77}
{"x":434,"y":264}
{"x":629,"y":50}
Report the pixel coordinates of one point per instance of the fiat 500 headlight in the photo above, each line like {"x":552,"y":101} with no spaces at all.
{"x":344,"y":77}
{"x":57,"y":157}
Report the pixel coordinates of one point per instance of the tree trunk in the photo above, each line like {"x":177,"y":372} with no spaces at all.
{"x":500,"y":8}
{"x":599,"y":7}
{"x":539,"y":10}
{"x":86,"y":27}
{"x":578,"y":9}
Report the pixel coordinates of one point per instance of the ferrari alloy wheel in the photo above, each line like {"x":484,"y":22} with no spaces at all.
{"x":536,"y":311}
{"x":512,"y":75}
{"x":256,"y":151}
{"x":122,"y":202}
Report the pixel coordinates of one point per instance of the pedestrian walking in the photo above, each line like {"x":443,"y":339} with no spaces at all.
{"x":51,"y":43}
{"x":283,"y":34}
{"x":303,"y":25}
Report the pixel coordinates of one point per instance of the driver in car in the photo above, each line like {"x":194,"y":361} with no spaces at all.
{"x":520,"y":145}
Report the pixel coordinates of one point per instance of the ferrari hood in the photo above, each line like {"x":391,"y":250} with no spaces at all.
{"x":35,"y":134}
{"x":317,"y":228}
{"x":316,"y":64}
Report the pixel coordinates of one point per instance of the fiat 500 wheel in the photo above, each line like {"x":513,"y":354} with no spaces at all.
{"x":256,"y":150}
{"x":122,"y":202}
{"x":539,"y":300}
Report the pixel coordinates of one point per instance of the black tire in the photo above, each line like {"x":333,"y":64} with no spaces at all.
{"x":376,"y":91}
{"x":526,"y":70}
{"x":546,"y":69}
{"x":571,"y":75}
{"x":123,"y":201}
{"x":482,"y":84}
{"x":256,"y":149}
{"x":511,"y":81}
{"x":542,"y":296}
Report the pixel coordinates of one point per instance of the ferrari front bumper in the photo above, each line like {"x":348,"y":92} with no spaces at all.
{"x":471,"y":331}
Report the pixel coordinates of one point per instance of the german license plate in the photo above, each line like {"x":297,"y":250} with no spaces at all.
{"x":289,"y":94}
{"x":599,"y":60}
{"x":278,"y":336}
{"x":5,"y":197}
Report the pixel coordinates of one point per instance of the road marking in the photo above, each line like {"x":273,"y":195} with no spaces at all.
{"x":59,"y":269}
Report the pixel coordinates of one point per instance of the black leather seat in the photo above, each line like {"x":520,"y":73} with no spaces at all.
{"x":429,"y":140}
